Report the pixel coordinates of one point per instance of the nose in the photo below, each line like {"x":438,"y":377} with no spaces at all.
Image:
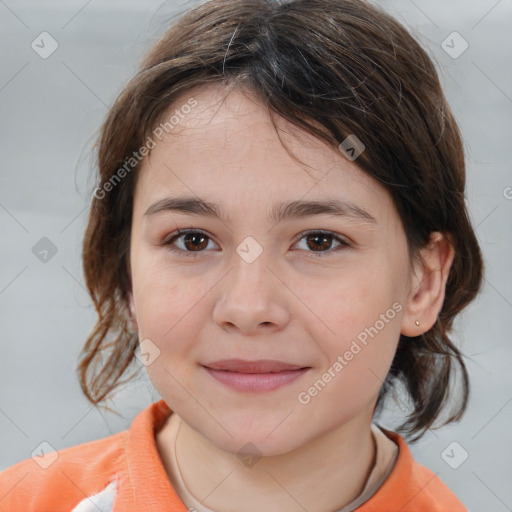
{"x":252,"y":299}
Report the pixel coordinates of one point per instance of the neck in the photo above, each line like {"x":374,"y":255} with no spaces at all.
{"x":326,"y":474}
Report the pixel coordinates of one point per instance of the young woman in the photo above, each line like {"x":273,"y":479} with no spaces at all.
{"x":279,"y":234}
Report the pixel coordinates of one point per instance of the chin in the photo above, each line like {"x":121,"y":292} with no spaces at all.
{"x":253,"y":439}
{"x":256,"y":447}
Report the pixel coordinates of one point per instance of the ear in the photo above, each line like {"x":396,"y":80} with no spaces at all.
{"x":132,"y":313}
{"x":428,"y":283}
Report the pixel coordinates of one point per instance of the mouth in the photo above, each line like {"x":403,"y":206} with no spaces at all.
{"x":254,"y":376}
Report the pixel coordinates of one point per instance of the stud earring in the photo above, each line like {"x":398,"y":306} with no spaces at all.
{"x":417,"y":323}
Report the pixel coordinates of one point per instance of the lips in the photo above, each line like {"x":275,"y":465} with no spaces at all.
{"x":261,"y":366}
{"x":254,"y":376}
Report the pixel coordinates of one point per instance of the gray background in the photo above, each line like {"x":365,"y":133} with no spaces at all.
{"x":50,"y":111}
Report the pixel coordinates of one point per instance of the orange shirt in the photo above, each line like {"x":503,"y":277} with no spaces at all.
{"x":124,"y":473}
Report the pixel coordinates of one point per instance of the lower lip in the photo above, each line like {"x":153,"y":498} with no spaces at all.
{"x":256,"y":382}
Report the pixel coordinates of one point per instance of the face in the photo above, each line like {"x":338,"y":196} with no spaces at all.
{"x":253,"y":287}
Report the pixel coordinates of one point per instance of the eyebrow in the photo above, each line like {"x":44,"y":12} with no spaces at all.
{"x":281,"y":211}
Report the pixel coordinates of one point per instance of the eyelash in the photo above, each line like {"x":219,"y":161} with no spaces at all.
{"x":320,"y":254}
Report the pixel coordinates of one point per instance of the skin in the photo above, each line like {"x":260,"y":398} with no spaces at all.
{"x":287,"y":305}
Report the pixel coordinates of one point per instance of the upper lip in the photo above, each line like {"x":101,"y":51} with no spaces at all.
{"x":260,"y":366}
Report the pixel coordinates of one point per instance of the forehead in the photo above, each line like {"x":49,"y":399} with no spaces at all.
{"x":237,"y":120}
{"x":228,"y":148}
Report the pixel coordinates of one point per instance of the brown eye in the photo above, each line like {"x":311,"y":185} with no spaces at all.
{"x":321,"y":241}
{"x":192,"y":242}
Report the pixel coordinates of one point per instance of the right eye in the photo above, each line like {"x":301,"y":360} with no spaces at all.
{"x":194,"y":242}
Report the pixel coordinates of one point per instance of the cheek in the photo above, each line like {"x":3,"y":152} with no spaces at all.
{"x":363,"y":317}
{"x":349,"y":302}
{"x":168,"y":316}
{"x":165,"y":300}
{"x":357,"y":359}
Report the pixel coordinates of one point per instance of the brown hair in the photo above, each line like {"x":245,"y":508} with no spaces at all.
{"x":334,"y":68}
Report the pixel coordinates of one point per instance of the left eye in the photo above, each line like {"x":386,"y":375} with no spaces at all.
{"x":320,"y":239}
{"x":195,"y":241}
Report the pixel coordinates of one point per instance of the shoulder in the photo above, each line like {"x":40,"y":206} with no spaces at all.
{"x":59,"y":480}
{"x":412,"y":487}
{"x":431,"y":492}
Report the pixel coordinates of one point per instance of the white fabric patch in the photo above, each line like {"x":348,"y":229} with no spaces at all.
{"x":103,"y":501}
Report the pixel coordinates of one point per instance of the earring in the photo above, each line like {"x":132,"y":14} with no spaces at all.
{"x":417,"y":323}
